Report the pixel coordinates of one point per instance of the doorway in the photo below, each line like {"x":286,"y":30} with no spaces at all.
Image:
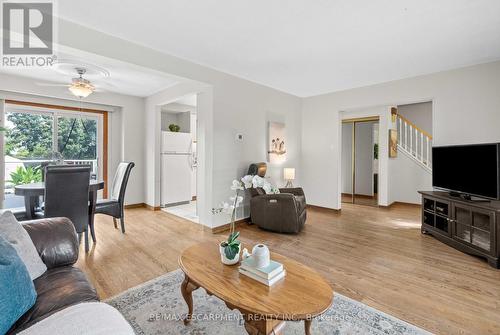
{"x":37,"y":133}
{"x":179,"y":160}
{"x":360,"y":163}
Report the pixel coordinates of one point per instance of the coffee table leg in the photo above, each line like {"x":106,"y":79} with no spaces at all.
{"x":262,"y":327}
{"x":187,"y":289}
{"x":307,"y":326}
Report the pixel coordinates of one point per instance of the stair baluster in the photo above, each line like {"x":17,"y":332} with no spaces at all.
{"x":414,"y":141}
{"x":422,"y":146}
{"x":428,"y":161}
{"x":406,"y":136}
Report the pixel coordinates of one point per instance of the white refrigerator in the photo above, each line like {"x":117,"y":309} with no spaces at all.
{"x":176,"y":167}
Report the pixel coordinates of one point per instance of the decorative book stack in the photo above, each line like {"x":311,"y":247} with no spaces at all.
{"x":266,"y":275}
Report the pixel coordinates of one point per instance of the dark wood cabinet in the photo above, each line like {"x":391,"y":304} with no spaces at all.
{"x":470,"y":226}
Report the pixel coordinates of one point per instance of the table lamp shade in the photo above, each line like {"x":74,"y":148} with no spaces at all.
{"x":289,"y":173}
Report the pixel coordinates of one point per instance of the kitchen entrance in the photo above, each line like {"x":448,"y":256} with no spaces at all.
{"x":178,"y":178}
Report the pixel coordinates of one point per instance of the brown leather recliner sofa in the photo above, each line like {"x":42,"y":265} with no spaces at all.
{"x":62,"y":285}
{"x":283,"y":213}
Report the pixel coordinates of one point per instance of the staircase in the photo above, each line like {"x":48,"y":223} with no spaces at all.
{"x":414,"y":142}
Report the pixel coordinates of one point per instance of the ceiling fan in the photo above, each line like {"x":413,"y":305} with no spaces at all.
{"x":79,"y":87}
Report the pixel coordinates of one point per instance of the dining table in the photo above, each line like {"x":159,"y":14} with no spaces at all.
{"x":32,"y":192}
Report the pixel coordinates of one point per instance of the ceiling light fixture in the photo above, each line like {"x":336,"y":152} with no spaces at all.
{"x":80,"y":87}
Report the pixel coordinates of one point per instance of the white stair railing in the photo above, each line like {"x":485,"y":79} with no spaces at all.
{"x":414,"y":141}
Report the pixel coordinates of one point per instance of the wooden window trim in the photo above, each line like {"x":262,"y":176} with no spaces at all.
{"x":85,"y":110}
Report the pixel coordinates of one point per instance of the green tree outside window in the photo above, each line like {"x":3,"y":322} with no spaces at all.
{"x":29,"y":136}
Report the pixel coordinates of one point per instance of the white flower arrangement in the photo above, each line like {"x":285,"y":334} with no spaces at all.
{"x":246,"y":182}
{"x":231,"y":246}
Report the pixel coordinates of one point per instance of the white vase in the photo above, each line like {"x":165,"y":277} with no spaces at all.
{"x":226,"y":260}
{"x":261,"y":256}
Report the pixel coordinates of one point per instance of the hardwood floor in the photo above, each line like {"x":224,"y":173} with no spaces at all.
{"x":373,"y":255}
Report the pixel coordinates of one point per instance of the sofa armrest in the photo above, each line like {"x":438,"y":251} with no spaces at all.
{"x":55,"y":240}
{"x":297,"y":191}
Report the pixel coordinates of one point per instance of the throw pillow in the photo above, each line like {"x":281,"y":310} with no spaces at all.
{"x":14,"y":233}
{"x":17,"y":293}
{"x":260,"y":184}
{"x":270,"y":188}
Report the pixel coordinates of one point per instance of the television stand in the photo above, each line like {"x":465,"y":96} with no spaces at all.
{"x":469,"y":226}
{"x":467,"y":197}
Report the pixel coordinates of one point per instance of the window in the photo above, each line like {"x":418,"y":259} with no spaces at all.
{"x":28,"y":135}
{"x":36,"y":135}
{"x":77,"y":140}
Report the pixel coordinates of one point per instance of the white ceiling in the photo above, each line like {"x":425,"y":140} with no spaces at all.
{"x":120,"y":77}
{"x":306,"y":47}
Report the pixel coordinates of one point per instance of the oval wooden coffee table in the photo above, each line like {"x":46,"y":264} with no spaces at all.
{"x":301,"y":295}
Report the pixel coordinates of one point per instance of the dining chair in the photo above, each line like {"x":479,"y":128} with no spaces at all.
{"x":114,"y":205}
{"x":67,"y":195}
{"x":40,"y":202}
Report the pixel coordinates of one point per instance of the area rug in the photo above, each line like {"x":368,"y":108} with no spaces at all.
{"x":157,"y":307}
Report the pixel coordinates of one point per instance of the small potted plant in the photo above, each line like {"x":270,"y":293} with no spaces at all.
{"x":230,"y":249}
{"x":174,"y":128}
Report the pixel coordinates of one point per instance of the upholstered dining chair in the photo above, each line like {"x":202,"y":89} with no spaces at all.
{"x":114,"y":205}
{"x":40,"y":203}
{"x":67,"y":195}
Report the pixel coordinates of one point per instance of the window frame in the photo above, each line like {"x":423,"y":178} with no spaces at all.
{"x":56,"y":111}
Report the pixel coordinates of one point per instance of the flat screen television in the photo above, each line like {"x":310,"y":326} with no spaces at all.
{"x":472,"y":170}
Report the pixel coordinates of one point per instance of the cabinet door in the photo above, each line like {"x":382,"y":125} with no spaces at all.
{"x":483,"y":234}
{"x":474,"y":226}
{"x":436,"y":216}
{"x":461,"y":223}
{"x":442,"y":222}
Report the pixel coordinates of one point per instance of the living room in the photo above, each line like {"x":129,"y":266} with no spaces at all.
{"x":376,"y":269}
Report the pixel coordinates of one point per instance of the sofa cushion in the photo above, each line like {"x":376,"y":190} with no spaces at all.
{"x":17,"y":293}
{"x":90,"y":318}
{"x":15,"y":234}
{"x":55,"y":240}
{"x":57,"y":289}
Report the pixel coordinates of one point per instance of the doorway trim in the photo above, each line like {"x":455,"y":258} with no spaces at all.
{"x":204,"y":147}
{"x":362,"y":119}
{"x":354,"y":121}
